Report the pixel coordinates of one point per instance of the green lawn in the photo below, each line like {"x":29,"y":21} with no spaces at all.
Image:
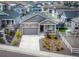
{"x":62,"y":30}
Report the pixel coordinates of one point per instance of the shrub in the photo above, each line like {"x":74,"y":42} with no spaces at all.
{"x":14,"y":42}
{"x":55,"y":37}
{"x":12,"y":33}
{"x":44,"y":46}
{"x":62,"y":48}
{"x":7,"y":31}
{"x":57,"y":49}
{"x":18,"y":34}
{"x":1,"y":40}
{"x":48,"y":36}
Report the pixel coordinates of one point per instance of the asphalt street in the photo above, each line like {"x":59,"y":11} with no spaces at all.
{"x":12,"y":54}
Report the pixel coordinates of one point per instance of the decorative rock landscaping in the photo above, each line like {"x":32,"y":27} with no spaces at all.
{"x":52,"y":43}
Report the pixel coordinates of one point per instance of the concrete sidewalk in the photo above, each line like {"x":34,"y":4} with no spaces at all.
{"x":13,"y":54}
{"x":27,"y":52}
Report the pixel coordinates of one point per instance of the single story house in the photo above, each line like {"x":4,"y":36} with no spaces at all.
{"x":37,"y":24}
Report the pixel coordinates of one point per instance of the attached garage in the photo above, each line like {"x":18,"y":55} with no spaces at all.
{"x":30,"y":31}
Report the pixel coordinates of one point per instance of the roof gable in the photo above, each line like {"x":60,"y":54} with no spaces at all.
{"x":47,"y":21}
{"x":36,"y":18}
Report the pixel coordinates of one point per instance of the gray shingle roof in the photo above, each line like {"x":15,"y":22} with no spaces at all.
{"x":76,"y":19}
{"x":9,"y":14}
{"x":18,"y":6}
{"x":71,"y":14}
{"x":36,"y":18}
{"x":32,"y":15}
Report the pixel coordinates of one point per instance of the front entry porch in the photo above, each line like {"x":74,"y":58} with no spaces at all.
{"x":6,"y":22}
{"x":47,"y":28}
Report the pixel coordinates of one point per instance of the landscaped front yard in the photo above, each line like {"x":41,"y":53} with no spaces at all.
{"x":52,"y":43}
{"x":16,"y":40}
{"x":10,"y":37}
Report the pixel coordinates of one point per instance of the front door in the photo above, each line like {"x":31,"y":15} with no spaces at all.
{"x":41,"y":28}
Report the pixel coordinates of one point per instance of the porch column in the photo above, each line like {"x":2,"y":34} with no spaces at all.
{"x":11,"y":21}
{"x":44,"y":28}
{"x":0,"y":23}
{"x":55,"y":28}
{"x":5,"y":21}
{"x":38,"y":29}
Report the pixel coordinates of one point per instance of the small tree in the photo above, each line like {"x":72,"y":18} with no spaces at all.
{"x":18,"y":34}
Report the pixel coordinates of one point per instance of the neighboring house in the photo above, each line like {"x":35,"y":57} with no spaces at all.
{"x":75,"y":25}
{"x":68,"y":15}
{"x":41,"y":6}
{"x":37,"y":24}
{"x":36,"y":8}
{"x":19,"y":8}
{"x":3,"y":6}
{"x":64,"y":14}
{"x":9,"y":17}
{"x":58,"y":11}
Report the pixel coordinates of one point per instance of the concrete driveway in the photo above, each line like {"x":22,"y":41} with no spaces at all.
{"x":30,"y":42}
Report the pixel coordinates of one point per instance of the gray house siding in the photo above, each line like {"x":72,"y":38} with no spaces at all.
{"x":0,"y":23}
{"x":17,"y":20}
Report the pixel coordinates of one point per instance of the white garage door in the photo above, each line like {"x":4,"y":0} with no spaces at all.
{"x":30,"y":31}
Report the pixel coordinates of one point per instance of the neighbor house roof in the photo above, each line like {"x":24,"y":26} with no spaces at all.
{"x":19,"y":6}
{"x":76,"y":19}
{"x":9,"y":14}
{"x":71,"y":14}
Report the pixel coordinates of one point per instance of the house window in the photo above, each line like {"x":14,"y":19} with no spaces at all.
{"x":68,"y":19}
{"x":45,"y":9}
{"x":45,"y":3}
{"x":50,"y":11}
{"x":51,"y":27}
{"x":76,"y":28}
{"x":0,"y":7}
{"x":39,"y":9}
